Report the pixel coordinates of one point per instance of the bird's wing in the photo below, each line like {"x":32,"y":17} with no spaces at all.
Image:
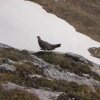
{"x":44,"y":44}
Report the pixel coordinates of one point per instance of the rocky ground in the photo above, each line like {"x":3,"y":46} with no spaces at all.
{"x":84,"y":15}
{"x":47,"y":76}
{"x":95,"y":52}
{"x":26,"y":75}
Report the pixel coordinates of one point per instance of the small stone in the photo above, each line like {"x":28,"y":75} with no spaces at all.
{"x":7,"y":67}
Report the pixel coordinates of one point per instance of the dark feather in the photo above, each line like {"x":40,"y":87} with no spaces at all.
{"x":47,"y":46}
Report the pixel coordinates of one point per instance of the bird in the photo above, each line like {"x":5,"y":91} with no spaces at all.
{"x":46,"y":46}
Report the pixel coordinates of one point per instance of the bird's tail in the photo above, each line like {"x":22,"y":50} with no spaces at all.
{"x":57,"y":45}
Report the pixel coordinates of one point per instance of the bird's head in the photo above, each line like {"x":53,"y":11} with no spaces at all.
{"x":38,"y":37}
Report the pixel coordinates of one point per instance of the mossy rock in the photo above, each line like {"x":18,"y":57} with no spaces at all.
{"x":16,"y":95}
{"x":15,"y":54}
{"x":67,"y":63}
{"x":72,"y":89}
{"x":63,"y":97}
{"x":21,"y":76}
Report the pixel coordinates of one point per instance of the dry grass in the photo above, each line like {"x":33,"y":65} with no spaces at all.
{"x":67,"y":63}
{"x":81,"y":91}
{"x":15,"y":54}
{"x":16,"y":95}
{"x":23,"y":69}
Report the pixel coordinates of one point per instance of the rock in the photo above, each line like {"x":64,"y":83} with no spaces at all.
{"x":7,"y":67}
{"x":56,"y":0}
{"x":41,"y":93}
{"x":4,"y":46}
{"x":93,"y":66}
{"x":7,"y":61}
{"x":87,"y":76}
{"x":37,"y":76}
{"x":65,"y":96}
{"x":96,"y":68}
{"x":52,"y":71}
{"x":95,"y":52}
{"x":11,"y":61}
{"x":11,"y":86}
{"x":45,"y":94}
{"x":78,"y":58}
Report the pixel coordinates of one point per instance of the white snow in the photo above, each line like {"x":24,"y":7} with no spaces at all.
{"x":22,"y":21}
